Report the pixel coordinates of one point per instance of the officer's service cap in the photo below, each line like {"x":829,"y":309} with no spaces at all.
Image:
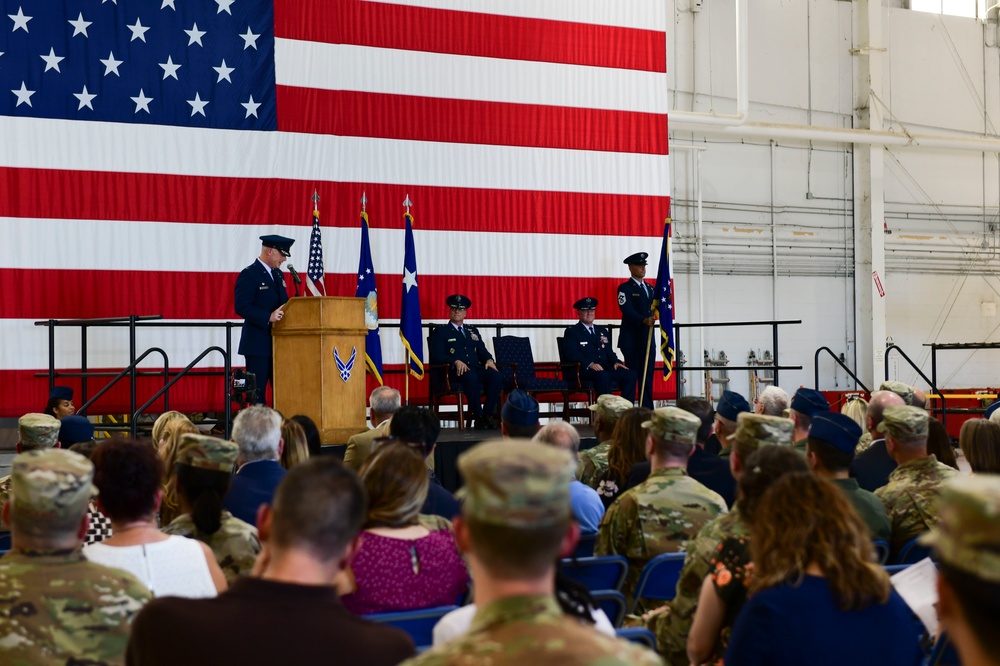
{"x":588,"y":303}
{"x":839,"y":431}
{"x":457,"y":301}
{"x":516,"y":483}
{"x":731,"y":405}
{"x":809,"y":402}
{"x":75,"y":429}
{"x":279,"y":243}
{"x":61,"y":393}
{"x":637,"y":259}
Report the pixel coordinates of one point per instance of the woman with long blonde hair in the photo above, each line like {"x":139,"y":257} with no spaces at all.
{"x":817,"y":594}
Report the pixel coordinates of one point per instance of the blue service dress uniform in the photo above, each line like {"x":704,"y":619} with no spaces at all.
{"x":583,"y":348}
{"x":258,"y":293}
{"x":450,"y":343}
{"x":634,"y":340}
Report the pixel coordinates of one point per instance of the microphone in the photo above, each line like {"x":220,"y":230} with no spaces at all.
{"x":295,"y":278}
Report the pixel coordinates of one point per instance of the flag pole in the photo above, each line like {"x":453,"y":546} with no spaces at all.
{"x":406,"y":354}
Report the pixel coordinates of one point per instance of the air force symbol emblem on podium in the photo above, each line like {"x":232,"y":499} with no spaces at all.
{"x":345,"y":368}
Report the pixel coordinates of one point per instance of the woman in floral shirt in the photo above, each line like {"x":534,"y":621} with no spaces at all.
{"x":628,"y":447}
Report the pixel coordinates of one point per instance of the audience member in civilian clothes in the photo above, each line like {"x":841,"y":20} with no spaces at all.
{"x":401,"y":565}
{"x":818,"y":596}
{"x":939,"y":443}
{"x":979,"y":440}
{"x":295,"y":449}
{"x":856,"y":408}
{"x":383,"y":402}
{"x":419,"y":427}
{"x":724,"y":590}
{"x":257,"y":431}
{"x":584,"y":500}
{"x":628,"y":448}
{"x":288,"y":613}
{"x":873,"y":464}
{"x":312,"y":434}
{"x":772,"y":401}
{"x":170,"y":437}
{"x":128,"y":476}
{"x":204,"y":471}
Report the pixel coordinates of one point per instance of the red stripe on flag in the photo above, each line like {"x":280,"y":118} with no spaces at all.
{"x":350,"y":113}
{"x":390,"y":26}
{"x":27,"y":294}
{"x":93,"y":195}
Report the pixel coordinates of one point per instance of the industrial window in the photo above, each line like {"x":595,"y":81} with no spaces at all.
{"x":969,"y":8}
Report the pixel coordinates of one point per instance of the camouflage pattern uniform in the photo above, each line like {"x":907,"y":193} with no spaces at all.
{"x":236,"y":543}
{"x":672,"y":622}
{"x":520,"y":484}
{"x":967,"y":535}
{"x":904,"y":391}
{"x":662,"y":513}
{"x":34,"y":432}
{"x":594,"y":461}
{"x":864,"y":443}
{"x":912,"y":495}
{"x":55,"y":606}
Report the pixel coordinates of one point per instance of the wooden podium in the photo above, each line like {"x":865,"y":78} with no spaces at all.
{"x":313,"y":348}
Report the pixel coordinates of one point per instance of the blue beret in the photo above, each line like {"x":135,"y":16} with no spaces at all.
{"x":61,"y":392}
{"x":74,"y":429}
{"x":638,"y":259}
{"x":992,"y":408}
{"x":731,"y":405}
{"x":458,"y":301}
{"x":589,"y":303}
{"x":809,"y":402}
{"x":839,"y":431}
{"x":520,"y":409}
{"x":279,"y":243}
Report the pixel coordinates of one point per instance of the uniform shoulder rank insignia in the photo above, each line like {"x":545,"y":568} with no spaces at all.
{"x":621,"y":298}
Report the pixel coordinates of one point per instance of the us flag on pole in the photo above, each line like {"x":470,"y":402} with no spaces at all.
{"x":314,"y":275}
{"x":145,"y":145}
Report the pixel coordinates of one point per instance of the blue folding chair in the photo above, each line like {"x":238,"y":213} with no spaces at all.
{"x":881,"y":550}
{"x":658,"y":579}
{"x":912,"y":552}
{"x":613,"y":603}
{"x":419,"y":624}
{"x":4,"y":541}
{"x":585,"y":547}
{"x":597,"y":573}
{"x":638,"y":635}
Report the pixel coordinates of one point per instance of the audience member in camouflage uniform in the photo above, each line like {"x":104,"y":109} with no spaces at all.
{"x":830,"y":450}
{"x":912,"y":495}
{"x":55,"y":606}
{"x":806,"y":403}
{"x":731,"y":405}
{"x":967,"y":542}
{"x":905,"y":393}
{"x":517,"y":493}
{"x":205,"y":468}
{"x":672,"y":622}
{"x":594,"y":460}
{"x":665,"y":511}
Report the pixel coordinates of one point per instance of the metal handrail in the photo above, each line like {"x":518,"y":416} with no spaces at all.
{"x":128,"y":371}
{"x":838,"y":362}
{"x":166,"y":387}
{"x":930,"y":382}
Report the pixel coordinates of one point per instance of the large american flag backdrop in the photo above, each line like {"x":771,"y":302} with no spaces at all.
{"x":144,"y":147}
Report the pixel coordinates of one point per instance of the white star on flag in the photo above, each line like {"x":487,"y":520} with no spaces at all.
{"x":197,"y":105}
{"x":249,"y":40}
{"x":195,"y":35}
{"x":409,"y":279}
{"x":23,"y":95}
{"x":224,"y":6}
{"x":138,"y":31}
{"x":52,"y":60}
{"x":168,"y":3}
{"x":169,"y":69}
{"x":80,"y":26}
{"x":20,"y":20}
{"x":85,"y":99}
{"x":142,"y":102}
{"x":224,"y":71}
{"x":111,"y":65}
{"x":251,"y":107}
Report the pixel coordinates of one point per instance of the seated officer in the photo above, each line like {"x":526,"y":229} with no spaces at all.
{"x":590,"y":346}
{"x":471,"y":364}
